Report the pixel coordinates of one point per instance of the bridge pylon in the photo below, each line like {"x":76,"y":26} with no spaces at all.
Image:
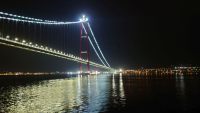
{"x":84,"y":48}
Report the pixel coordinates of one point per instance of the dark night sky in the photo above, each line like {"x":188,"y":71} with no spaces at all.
{"x":131,"y":33}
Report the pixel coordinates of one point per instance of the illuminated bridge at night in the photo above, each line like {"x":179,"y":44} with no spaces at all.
{"x":67,"y":40}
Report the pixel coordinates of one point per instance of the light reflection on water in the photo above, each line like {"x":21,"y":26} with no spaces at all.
{"x":78,"y":94}
{"x":118,"y":90}
{"x":104,"y":93}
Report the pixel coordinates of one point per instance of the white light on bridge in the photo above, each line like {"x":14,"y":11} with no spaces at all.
{"x":16,"y":39}
{"x":83,"y":19}
{"x":24,"y":41}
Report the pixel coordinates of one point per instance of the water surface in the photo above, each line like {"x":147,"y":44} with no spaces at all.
{"x":104,"y":93}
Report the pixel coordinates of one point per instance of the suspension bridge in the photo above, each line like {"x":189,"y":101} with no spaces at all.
{"x":63,"y":39}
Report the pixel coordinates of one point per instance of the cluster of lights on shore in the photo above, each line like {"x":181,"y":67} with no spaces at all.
{"x":165,"y":71}
{"x":17,"y":18}
{"x":46,"y":50}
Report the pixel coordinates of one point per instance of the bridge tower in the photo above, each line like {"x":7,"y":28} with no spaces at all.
{"x":84,"y":47}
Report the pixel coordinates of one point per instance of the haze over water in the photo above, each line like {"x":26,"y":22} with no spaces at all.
{"x":104,"y":93}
